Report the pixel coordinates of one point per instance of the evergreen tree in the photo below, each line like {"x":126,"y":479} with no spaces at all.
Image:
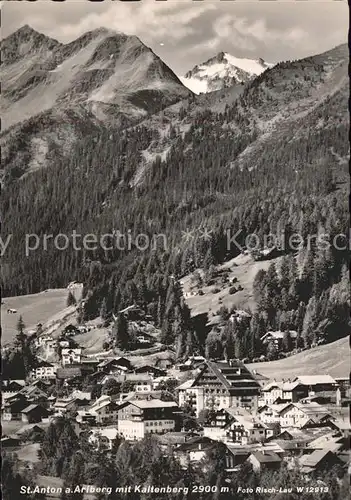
{"x":103,"y":309}
{"x":120,"y":332}
{"x":287,"y":341}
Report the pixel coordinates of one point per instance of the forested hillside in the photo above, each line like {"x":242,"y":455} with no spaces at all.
{"x":273,"y":161}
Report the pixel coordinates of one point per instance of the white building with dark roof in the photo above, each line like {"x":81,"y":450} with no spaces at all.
{"x":235,"y":426}
{"x":137,"y":418}
{"x":225,"y":384}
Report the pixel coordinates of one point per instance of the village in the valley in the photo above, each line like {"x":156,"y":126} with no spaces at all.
{"x":188,"y":406}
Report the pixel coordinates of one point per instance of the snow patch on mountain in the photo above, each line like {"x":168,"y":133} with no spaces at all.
{"x":222,"y":71}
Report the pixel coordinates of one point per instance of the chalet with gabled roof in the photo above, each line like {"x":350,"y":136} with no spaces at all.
{"x":236,"y":426}
{"x":319,"y":461}
{"x":34,"y":413}
{"x":114,"y":365}
{"x":262,"y":460}
{"x":139,"y":417}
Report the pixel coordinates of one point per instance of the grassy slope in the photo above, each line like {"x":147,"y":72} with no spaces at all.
{"x":244,"y":268}
{"x":36,"y":308}
{"x":332,"y":359}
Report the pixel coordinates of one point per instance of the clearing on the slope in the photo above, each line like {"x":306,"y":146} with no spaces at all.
{"x":36,"y":308}
{"x":244,"y":268}
{"x":332,"y":359}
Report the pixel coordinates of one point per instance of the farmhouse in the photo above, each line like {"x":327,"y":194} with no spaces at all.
{"x":33,"y":414}
{"x":12,"y":386}
{"x":236,"y":426}
{"x":187,"y":394}
{"x":277,"y":337}
{"x":299,"y":415}
{"x":71,"y":356}
{"x":137,"y":418}
{"x":318,"y":461}
{"x":194,"y":450}
{"x":285,"y":391}
{"x":63,"y":406}
{"x":44,"y":370}
{"x":12,"y":408}
{"x":103,"y":437}
{"x":115,"y":365}
{"x":140,"y":382}
{"x":104,"y":410}
{"x":317,"y":383}
{"x":270,"y":414}
{"x":262,"y":460}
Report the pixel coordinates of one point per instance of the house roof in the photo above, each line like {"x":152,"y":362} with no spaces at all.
{"x":289,"y":386}
{"x":193,"y":444}
{"x":233,"y":375}
{"x":244,"y":418}
{"x":314,"y":411}
{"x":314,"y":458}
{"x":74,"y":350}
{"x":69,"y":372}
{"x":153,"y":403}
{"x":81,"y":395}
{"x":343,"y":425}
{"x":172,"y":438}
{"x":33,"y":407}
{"x":32,"y":390}
{"x":101,"y":405}
{"x":315,"y":379}
{"x":291,"y":444}
{"x":277,"y":408}
{"x":132,"y":377}
{"x":63,"y":402}
{"x":326,"y":442}
{"x":186,"y":385}
{"x":108,"y":432}
{"x":9,"y":382}
{"x":44,"y":363}
{"x":9,"y":439}
{"x":265,"y":457}
{"x":32,"y":427}
{"x":272,"y":385}
{"x":279,"y":334}
{"x":112,"y":360}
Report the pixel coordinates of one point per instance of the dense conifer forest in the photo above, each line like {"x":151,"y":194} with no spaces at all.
{"x":220,"y":173}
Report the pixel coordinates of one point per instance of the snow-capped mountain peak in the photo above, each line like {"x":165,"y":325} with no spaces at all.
{"x":221,"y":71}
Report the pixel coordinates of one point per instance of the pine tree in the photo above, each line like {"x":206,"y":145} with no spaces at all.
{"x":120,"y":331}
{"x":103,"y":309}
{"x":287,"y":341}
{"x":285,"y":273}
{"x":21,"y":338}
{"x":306,"y":281}
{"x":310,"y":322}
{"x":167,"y":336}
{"x":259,"y":284}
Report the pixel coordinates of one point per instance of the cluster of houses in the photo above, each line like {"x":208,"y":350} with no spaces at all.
{"x":258,"y":420}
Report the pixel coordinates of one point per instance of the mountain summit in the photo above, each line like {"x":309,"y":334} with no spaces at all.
{"x":222,"y":71}
{"x":109,"y":74}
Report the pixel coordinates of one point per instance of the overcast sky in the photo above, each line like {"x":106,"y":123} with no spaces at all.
{"x":184,"y":33}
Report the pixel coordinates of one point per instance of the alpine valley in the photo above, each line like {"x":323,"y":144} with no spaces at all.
{"x":99,"y":135}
